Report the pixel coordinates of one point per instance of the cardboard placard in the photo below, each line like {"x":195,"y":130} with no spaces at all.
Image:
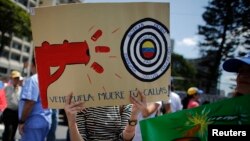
{"x":102,"y":52}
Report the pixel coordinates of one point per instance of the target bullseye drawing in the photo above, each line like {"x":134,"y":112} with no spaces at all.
{"x":145,"y":49}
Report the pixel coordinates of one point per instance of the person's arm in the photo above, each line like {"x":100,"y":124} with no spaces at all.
{"x":168,"y":108}
{"x":71,"y":110}
{"x":151,"y":108}
{"x":28,"y":106}
{"x":129,"y":131}
{"x":74,"y":133}
{"x":138,"y":106}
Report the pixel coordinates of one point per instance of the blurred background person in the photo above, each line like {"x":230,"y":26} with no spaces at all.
{"x":5,"y":81}
{"x":175,"y":104}
{"x":34,"y":120}
{"x":54,"y":122}
{"x":241,"y":66}
{"x":192,"y":99}
{"x":3,"y":103}
{"x":10,"y":114}
{"x":152,"y":110}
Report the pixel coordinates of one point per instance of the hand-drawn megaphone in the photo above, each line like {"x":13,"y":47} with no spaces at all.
{"x":57,"y":55}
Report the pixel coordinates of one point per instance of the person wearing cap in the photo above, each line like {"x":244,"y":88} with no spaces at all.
{"x":241,"y":66}
{"x":192,"y":98}
{"x":10,"y":114}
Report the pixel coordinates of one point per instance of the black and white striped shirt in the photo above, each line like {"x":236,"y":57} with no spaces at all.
{"x":103,"y":123}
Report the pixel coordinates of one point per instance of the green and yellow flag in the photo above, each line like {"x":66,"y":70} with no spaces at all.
{"x":193,"y":123}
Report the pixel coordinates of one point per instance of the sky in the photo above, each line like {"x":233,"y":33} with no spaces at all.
{"x":185,"y":16}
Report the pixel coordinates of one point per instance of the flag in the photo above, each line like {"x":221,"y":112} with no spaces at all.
{"x":192,"y":124}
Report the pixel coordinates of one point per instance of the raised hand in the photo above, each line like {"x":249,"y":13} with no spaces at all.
{"x":72,"y":108}
{"x":139,"y":104}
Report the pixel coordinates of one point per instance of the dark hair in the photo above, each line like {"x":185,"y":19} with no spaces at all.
{"x":186,"y":100}
{"x":172,"y":87}
{"x":33,"y":61}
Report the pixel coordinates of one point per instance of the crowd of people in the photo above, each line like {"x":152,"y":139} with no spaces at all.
{"x":21,"y":109}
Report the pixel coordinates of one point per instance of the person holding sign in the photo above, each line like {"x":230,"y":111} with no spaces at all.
{"x":116,"y":123}
{"x":242,"y":67}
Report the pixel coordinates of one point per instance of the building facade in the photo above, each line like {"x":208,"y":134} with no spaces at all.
{"x":20,"y":50}
{"x":18,"y":54}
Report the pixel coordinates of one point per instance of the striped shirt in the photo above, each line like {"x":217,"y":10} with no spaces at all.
{"x":103,"y":123}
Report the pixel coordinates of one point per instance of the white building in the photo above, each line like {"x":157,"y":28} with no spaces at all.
{"x":20,"y":50}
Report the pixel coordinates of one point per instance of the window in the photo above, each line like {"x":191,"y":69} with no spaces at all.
{"x":26,"y":49}
{"x":15,"y":57}
{"x":32,"y":5}
{"x":3,"y":70}
{"x":23,"y":2}
{"x":17,"y":46}
{"x":25,"y":59}
{"x":5,"y":54}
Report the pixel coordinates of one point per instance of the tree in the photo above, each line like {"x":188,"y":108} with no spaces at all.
{"x":226,"y":34}
{"x":13,"y":20}
{"x":183,"y":72}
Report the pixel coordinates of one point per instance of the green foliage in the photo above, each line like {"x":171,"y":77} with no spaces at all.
{"x":226,"y":30}
{"x":13,"y":19}
{"x":23,"y":29}
{"x":183,"y":72}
